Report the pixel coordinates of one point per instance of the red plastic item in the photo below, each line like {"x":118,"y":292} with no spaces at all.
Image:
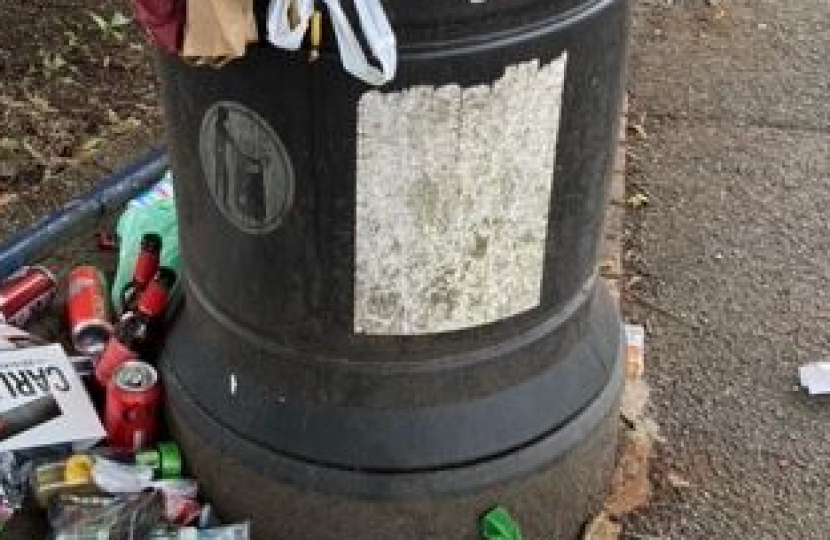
{"x":106,"y":241}
{"x":163,"y":20}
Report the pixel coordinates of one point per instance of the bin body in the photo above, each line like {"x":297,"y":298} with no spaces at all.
{"x":393,"y":319}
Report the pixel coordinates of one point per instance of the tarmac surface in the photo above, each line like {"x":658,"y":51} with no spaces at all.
{"x":730,"y":141}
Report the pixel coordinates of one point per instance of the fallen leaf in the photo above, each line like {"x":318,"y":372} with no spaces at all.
{"x":99,"y":21}
{"x":630,"y":487}
{"x":602,"y":528}
{"x":652,"y":430}
{"x":58,"y":61}
{"x":638,"y":126}
{"x":8,"y":169}
{"x":640,"y":131}
{"x":119,"y":19}
{"x":7,"y":198}
{"x":124,"y":126}
{"x":634,"y":401}
{"x":36,"y":154}
{"x":637,"y":200}
{"x":40,"y":104}
{"x":7,"y":143}
{"x":91,"y":144}
{"x":678,"y":482}
{"x":71,"y":38}
{"x":633,"y":281}
{"x":607,"y":266}
{"x":6,"y":101}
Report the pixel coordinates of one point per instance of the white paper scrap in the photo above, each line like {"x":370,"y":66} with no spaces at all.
{"x":815,"y":377}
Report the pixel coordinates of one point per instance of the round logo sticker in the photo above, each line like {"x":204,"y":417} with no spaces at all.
{"x":246,"y":167}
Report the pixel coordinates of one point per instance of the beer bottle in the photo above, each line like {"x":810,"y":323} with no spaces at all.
{"x":139,"y":332}
{"x":146,"y":267}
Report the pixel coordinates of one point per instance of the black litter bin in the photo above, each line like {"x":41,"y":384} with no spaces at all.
{"x":393,"y":319}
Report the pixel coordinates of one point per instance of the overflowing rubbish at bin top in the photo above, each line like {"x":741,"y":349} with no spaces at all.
{"x":215,"y":32}
{"x":81,"y":437}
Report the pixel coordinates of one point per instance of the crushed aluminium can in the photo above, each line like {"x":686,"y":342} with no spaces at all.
{"x":87,"y":310}
{"x":26,"y":293}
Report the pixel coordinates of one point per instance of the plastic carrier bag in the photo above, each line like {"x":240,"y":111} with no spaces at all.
{"x":217,"y":31}
{"x":12,"y":486}
{"x":163,"y":21}
{"x":374,"y":26}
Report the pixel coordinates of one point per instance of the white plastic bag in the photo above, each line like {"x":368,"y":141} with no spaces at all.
{"x":374,"y":25}
{"x":280,"y":32}
{"x":115,"y":477}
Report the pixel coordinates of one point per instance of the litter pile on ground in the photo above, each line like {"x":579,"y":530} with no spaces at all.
{"x":81,"y":437}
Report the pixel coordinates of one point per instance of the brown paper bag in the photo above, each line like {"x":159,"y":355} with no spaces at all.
{"x":217,"y":31}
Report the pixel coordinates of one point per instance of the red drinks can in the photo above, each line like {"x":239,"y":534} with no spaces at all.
{"x":133,"y":402}
{"x":87,"y":310}
{"x":25,"y":293}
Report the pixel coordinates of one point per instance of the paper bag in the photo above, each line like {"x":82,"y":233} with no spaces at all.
{"x":218,"y":30}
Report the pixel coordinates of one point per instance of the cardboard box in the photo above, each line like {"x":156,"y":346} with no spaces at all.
{"x":43,"y":401}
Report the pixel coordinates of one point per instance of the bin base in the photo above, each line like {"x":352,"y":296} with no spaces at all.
{"x":552,"y":502}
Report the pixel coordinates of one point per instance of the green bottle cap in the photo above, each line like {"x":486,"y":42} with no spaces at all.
{"x":149,"y":458}
{"x":171,"y":460}
{"x":164,"y":459}
{"x":497,"y":524}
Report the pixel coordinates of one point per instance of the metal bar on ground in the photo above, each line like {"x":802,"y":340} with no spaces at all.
{"x":113,"y":191}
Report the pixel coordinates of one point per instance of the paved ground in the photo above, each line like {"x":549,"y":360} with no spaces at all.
{"x":734,"y":251}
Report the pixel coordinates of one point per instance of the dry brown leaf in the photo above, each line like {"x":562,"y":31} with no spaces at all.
{"x":7,"y":198}
{"x":637,"y":200}
{"x":634,"y":401}
{"x":7,"y":143}
{"x":40,"y":104}
{"x":8,"y":169}
{"x":607,"y":266}
{"x":91,"y":144}
{"x":678,"y":482}
{"x":630,"y":487}
{"x":602,"y":528}
{"x":36,"y":154}
{"x":8,"y":102}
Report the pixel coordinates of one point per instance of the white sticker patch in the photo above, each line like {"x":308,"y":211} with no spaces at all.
{"x":453,"y":194}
